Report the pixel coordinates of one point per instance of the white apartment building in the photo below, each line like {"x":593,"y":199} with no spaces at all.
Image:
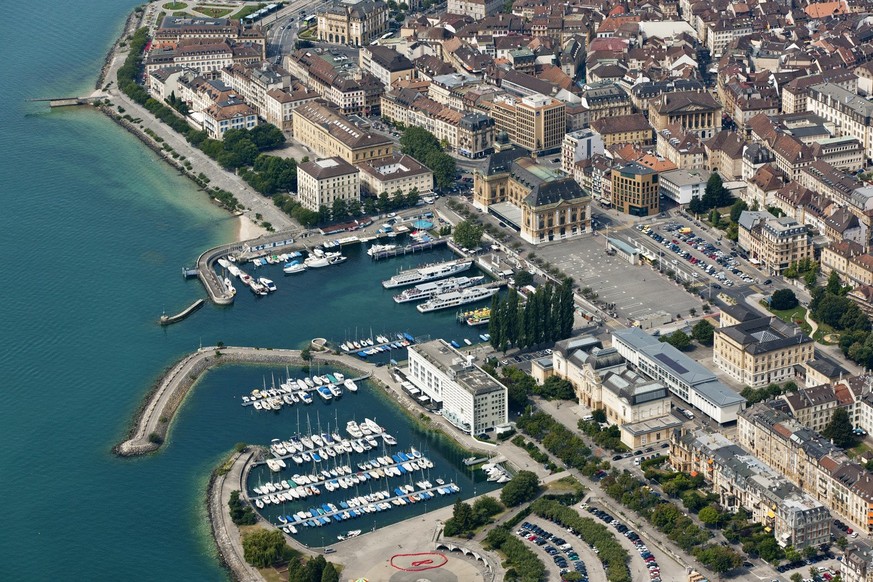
{"x":321,"y":182}
{"x":579,"y":145}
{"x":850,"y":113}
{"x":681,"y":186}
{"x":471,"y":399}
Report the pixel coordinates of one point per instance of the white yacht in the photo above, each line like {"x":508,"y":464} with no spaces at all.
{"x":268,"y":284}
{"x":427,"y":273}
{"x":428,"y":290}
{"x":314,"y":262}
{"x":456,"y":298}
{"x":294,"y":267}
{"x":350,"y":385}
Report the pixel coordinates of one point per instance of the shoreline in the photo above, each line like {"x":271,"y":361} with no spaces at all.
{"x":247,"y":229}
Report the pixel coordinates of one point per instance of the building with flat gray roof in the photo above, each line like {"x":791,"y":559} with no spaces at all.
{"x":471,"y":399}
{"x":682,"y":375}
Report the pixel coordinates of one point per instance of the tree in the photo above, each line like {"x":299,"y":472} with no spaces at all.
{"x":796,"y":577}
{"x":715,"y":218}
{"x":297,"y":571}
{"x":678,"y":339}
{"x":738,"y":207}
{"x":468,"y":234}
{"x":523,"y":487}
{"x":266,"y":136}
{"x":339,"y":210}
{"x":263,"y":548}
{"x":719,"y":559}
{"x":485,"y":508}
{"x":315,"y":568}
{"x":599,"y":415}
{"x":839,"y":429}
{"x":710,"y":515}
{"x":329,"y":574}
{"x":833,"y":285}
{"x":783,"y":299}
{"x":556,"y":388}
{"x":809,"y":552}
{"x":461,"y":521}
{"x":769,"y":550}
{"x":703,"y":332}
{"x":522,"y":278}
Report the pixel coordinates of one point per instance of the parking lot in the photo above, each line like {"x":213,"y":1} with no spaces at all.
{"x":561,"y":550}
{"x":634,"y":290}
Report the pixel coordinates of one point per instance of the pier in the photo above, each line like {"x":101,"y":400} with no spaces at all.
{"x":358,"y":510}
{"x":69,"y":101}
{"x":169,"y":319}
{"x":364,"y":476}
{"x":410,"y":249}
{"x":296,"y":388}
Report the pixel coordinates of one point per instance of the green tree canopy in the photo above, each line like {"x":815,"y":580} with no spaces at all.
{"x":703,"y":332}
{"x":329,"y":574}
{"x":264,"y":547}
{"x":468,"y":234}
{"x":266,"y":136}
{"x":839,"y":429}
{"x":522,"y":278}
{"x":709,"y":515}
{"x":736,"y":209}
{"x":783,"y":299}
{"x":719,"y":559}
{"x":523,"y":487}
{"x":678,"y":339}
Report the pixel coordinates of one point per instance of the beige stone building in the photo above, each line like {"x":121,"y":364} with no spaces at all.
{"x":354,"y":24}
{"x":774,"y":243}
{"x":694,"y":112}
{"x":761,"y":351}
{"x":321,"y":182}
{"x":542,"y":204}
{"x":225,"y":115}
{"x":632,"y":129}
{"x":810,"y":462}
{"x":279,"y":104}
{"x":536,"y":123}
{"x":397,"y":173}
{"x":742,"y":481}
{"x":477,"y":9}
{"x":602,"y":380}
{"x":330,"y":134}
{"x":851,"y":113}
{"x":386,"y":64}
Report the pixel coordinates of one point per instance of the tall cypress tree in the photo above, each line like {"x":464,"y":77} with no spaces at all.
{"x":495,"y":324}
{"x":510,"y":318}
{"x":547,"y":310}
{"x":567,"y":308}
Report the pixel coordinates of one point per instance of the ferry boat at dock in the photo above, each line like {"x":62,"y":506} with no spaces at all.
{"x":427,"y":273}
{"x":428,"y":290}
{"x":476,"y":316}
{"x":456,"y":298}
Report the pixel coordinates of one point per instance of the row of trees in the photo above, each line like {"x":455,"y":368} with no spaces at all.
{"x":832,"y":307}
{"x":521,"y":561}
{"x":561,"y":442}
{"x":467,"y":518}
{"x":755,"y":395}
{"x":240,"y":513}
{"x":315,"y":569}
{"x":608,"y":438}
{"x":547,"y":316}
{"x":670,"y":520}
{"x":426,"y":148}
{"x":610,"y":551}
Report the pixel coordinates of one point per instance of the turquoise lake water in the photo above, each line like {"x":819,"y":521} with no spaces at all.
{"x":107,"y":227}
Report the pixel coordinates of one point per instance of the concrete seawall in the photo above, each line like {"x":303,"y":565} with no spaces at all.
{"x":153,"y":420}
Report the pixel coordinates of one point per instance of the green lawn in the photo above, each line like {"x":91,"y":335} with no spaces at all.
{"x":792,"y":316}
{"x":213,"y":12}
{"x":248,"y":9}
{"x":858,"y":450}
{"x":175,"y":6}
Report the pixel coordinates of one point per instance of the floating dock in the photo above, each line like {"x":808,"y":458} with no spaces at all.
{"x":168,"y":319}
{"x":410,"y":249}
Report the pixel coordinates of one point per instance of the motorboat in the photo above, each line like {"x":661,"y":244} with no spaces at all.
{"x":268,"y":284}
{"x":350,"y":385}
{"x":294,"y":267}
{"x":314,"y":262}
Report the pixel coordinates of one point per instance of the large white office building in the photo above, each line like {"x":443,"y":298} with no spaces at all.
{"x":471,"y":399}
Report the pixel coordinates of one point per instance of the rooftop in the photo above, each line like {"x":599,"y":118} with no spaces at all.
{"x":453,"y":363}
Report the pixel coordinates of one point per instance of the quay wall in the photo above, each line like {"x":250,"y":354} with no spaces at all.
{"x":153,"y":419}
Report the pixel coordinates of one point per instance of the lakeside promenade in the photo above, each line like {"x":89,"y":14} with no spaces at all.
{"x":254,"y":202}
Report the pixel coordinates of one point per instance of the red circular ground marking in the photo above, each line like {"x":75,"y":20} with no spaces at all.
{"x":419,"y":562}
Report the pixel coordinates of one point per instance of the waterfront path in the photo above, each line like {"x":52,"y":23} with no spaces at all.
{"x":155,"y":416}
{"x":254,"y":202}
{"x":224,"y":531}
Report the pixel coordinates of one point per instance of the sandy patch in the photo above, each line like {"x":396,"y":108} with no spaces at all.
{"x":247,"y":229}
